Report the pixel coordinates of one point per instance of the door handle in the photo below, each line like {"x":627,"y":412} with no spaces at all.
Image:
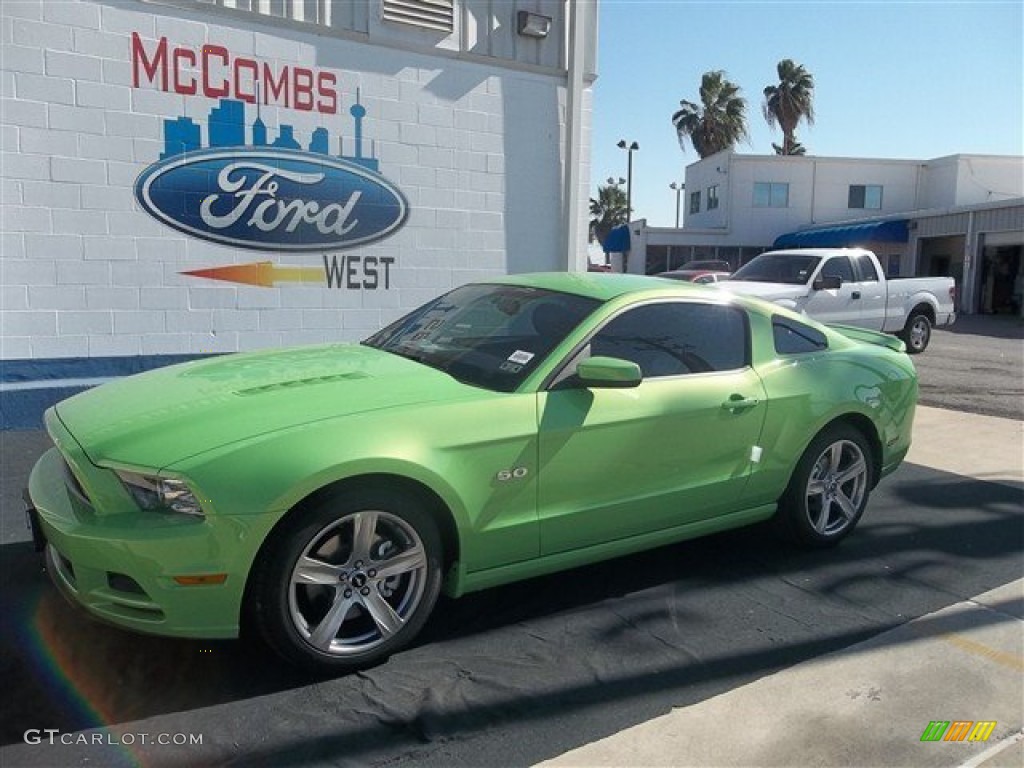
{"x":855,"y":295}
{"x":738,"y":402}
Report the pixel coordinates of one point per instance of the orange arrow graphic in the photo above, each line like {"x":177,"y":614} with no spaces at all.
{"x":261,"y":273}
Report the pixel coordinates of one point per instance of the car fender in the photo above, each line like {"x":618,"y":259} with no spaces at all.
{"x":439,"y":448}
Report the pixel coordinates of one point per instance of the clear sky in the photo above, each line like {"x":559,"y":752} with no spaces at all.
{"x":912,"y":80}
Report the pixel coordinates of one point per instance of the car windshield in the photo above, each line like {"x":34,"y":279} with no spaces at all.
{"x":490,"y":336}
{"x":793,"y":268}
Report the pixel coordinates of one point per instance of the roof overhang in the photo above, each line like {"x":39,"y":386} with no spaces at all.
{"x":617,"y":240}
{"x":843,"y":235}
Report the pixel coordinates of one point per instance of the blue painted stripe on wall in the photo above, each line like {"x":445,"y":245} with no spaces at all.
{"x":23,"y":409}
{"x":86,"y":367}
{"x":29,"y":387}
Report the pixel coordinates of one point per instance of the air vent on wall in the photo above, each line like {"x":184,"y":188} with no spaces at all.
{"x":426,"y":14}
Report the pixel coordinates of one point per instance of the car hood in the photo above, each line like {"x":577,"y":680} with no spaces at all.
{"x":157,"y":418}
{"x":770,"y":291}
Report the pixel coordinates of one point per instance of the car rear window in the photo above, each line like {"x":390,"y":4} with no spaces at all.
{"x":794,"y":338}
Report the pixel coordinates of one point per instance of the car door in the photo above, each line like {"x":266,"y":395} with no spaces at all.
{"x":676,"y":449}
{"x":872,"y":293}
{"x":837,"y":305}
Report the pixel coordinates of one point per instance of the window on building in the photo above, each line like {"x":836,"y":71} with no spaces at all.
{"x":892,"y":267}
{"x":865,"y":196}
{"x":771,"y":194}
{"x":712,"y":197}
{"x":676,"y":338}
{"x":695,"y":202}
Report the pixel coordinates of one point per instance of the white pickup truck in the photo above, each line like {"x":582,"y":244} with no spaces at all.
{"x":848,"y":286}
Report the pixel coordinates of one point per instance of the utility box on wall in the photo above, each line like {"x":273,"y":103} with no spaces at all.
{"x":182,"y":179}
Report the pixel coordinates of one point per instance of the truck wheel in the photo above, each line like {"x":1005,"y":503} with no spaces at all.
{"x":917,"y":333}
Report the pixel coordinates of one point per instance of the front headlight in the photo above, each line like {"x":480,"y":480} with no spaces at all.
{"x":161,"y":494}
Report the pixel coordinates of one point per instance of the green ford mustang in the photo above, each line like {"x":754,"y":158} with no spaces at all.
{"x":325,"y":495}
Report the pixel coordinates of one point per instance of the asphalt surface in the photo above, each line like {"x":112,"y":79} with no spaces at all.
{"x":976,"y":365}
{"x":520,"y":674}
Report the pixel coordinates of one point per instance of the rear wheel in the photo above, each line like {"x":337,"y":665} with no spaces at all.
{"x":829,"y":488}
{"x":917,"y":333}
{"x":349,"y":582}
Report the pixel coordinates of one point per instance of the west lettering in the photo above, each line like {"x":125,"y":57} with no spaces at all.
{"x":370,"y":273}
{"x":357,"y":272}
{"x":350,"y":272}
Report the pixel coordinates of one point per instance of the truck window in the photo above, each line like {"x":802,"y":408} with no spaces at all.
{"x":838,"y":267}
{"x":866,"y":272}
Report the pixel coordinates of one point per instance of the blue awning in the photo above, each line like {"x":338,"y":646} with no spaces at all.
{"x":617,"y":240}
{"x":889,"y":231}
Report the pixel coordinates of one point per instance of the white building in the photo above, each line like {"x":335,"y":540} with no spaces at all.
{"x":961,"y":215}
{"x":184,"y":178}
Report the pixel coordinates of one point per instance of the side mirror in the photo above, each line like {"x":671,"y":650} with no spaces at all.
{"x":827,"y":283}
{"x":608,"y":372}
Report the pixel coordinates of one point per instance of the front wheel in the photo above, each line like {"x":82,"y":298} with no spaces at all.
{"x":829,"y":489}
{"x":349,"y":582}
{"x":917,"y":333}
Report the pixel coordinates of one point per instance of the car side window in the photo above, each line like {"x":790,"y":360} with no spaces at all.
{"x":676,"y":338}
{"x":838,"y":267}
{"x":794,"y":338}
{"x":866,"y":272}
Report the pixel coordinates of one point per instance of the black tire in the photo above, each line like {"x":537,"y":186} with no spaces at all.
{"x":917,"y":333}
{"x":819,"y":508}
{"x":371,"y":576}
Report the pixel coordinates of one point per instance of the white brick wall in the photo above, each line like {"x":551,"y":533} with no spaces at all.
{"x":86,"y":272}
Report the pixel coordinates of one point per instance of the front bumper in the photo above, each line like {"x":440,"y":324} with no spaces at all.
{"x":122,"y":568}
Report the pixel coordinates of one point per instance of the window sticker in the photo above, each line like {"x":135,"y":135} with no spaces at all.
{"x":521,"y":357}
{"x":508,"y":367}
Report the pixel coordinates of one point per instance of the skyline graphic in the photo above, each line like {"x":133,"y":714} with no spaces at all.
{"x":226,"y":127}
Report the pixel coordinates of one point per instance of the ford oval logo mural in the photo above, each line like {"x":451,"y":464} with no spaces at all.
{"x":271,"y":199}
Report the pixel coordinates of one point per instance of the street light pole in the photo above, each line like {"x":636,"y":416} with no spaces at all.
{"x":630,"y":147}
{"x":678,"y":187}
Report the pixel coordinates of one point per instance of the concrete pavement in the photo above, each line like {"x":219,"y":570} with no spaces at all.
{"x":870,"y":704}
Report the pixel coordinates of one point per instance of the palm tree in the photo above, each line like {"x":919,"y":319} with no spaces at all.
{"x":607,"y":211}
{"x":789,"y":102}
{"x":718,"y":122}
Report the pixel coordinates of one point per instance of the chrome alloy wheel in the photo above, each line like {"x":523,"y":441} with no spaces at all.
{"x":919,"y":332}
{"x":357,"y":582}
{"x":836,"y":487}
